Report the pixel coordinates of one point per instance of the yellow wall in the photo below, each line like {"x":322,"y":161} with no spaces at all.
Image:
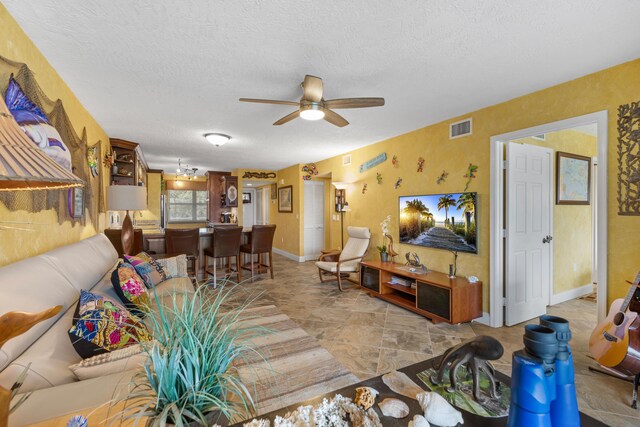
{"x":572,"y":233}
{"x":45,"y":233}
{"x":289,"y":226}
{"x":604,"y":90}
{"x":152,"y":213}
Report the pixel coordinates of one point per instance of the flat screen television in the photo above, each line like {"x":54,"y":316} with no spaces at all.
{"x":441,"y":221}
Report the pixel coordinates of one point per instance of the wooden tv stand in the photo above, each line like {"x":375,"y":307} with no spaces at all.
{"x":436,"y":296}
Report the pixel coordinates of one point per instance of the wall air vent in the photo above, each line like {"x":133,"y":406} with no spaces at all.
{"x":542,"y":137}
{"x":460,"y":129}
{"x":346,"y":160}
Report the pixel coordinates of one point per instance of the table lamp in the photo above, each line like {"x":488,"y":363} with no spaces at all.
{"x":126,"y":198}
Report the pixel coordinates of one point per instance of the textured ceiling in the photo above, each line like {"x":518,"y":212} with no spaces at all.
{"x":163,"y":72}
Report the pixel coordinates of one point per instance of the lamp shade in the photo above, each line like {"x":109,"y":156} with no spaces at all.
{"x":126,"y":198}
{"x":23,"y":165}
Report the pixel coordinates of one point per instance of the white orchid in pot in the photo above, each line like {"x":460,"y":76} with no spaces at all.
{"x":384,"y":253}
{"x":189,"y":377}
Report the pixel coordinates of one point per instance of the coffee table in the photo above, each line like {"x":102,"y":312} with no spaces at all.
{"x":470,"y":420}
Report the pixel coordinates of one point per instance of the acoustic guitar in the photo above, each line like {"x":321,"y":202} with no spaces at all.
{"x":615,"y":343}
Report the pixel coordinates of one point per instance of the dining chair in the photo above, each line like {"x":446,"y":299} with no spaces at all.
{"x":225,"y":244}
{"x":115,"y":237}
{"x":261,"y":243}
{"x":184,"y":241}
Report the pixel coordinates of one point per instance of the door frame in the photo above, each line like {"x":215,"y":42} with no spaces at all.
{"x":316,"y":183}
{"x":552,"y":201}
{"x":496,"y":262}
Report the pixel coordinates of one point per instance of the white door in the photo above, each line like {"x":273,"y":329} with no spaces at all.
{"x":249,"y":209}
{"x":313,"y":219}
{"x":259,"y":206}
{"x":528,"y":223}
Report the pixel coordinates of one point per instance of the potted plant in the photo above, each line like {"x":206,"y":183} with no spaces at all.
{"x":384,"y":255}
{"x":189,"y":377}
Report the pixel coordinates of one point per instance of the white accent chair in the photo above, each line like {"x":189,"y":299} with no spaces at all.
{"x":341,"y":263}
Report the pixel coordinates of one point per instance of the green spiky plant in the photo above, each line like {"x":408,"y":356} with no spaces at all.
{"x":189,"y":373}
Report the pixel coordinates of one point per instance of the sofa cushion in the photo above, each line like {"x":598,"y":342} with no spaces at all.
{"x":175,"y":266}
{"x":151,"y":272}
{"x":100,"y":325}
{"x":130,"y":289}
{"x":124,"y":359}
{"x":32,"y":285}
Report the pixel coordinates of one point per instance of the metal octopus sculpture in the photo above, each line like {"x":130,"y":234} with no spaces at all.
{"x":475,"y":355}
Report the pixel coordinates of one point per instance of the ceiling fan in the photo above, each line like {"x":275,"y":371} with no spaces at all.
{"x":313,"y":106}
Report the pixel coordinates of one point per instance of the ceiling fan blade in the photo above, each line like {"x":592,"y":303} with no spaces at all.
{"x":354,"y":103}
{"x":269,"y":101}
{"x":312,"y":88}
{"x":287,"y":118}
{"x":335,"y":118}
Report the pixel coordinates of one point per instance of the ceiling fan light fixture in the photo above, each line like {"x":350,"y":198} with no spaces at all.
{"x":312,"y":112}
{"x":217,"y":139}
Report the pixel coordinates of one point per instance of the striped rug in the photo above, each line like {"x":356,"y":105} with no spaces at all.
{"x":290,"y":366}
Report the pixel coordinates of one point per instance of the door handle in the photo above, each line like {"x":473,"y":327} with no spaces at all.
{"x":547,"y":239}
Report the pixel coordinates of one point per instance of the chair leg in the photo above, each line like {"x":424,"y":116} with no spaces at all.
{"x":238,"y":269}
{"x":271,"y":263}
{"x":251,"y":268}
{"x":215,"y":275}
{"x":339,"y":281}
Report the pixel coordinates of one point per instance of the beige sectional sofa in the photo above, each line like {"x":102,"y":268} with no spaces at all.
{"x":43,"y":281}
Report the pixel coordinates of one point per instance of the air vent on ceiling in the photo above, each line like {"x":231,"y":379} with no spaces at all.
{"x":542,"y":137}
{"x":460,"y":129}
{"x":346,"y":160}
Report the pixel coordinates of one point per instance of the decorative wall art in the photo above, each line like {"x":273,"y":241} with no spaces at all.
{"x":398,"y":183}
{"x":442,"y":178}
{"x":259,"y":175}
{"x":373,"y":162}
{"x":379,"y":177}
{"x":285,"y":199}
{"x":629,"y":159}
{"x":420,"y":164}
{"x":47,"y":124}
{"x":364,"y":188}
{"x":573,"y":179}
{"x":76,"y":202}
{"x":395,"y":162}
{"x":274,"y":191}
{"x":93,"y":154}
{"x":310,"y":170}
{"x":471,"y":173}
{"x":246,"y":197}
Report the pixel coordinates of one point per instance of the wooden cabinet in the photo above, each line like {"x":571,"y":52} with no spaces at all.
{"x":130,"y":167}
{"x":230,"y":192}
{"x":215,"y":190}
{"x":433,"y":294}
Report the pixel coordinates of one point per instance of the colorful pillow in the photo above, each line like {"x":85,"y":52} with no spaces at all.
{"x":130,"y":289}
{"x":35,"y":124}
{"x":175,"y":266}
{"x":101,"y":325}
{"x":151,"y":272}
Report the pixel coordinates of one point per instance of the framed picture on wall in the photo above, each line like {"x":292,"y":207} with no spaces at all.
{"x":75,"y":202}
{"x":285,"y":199}
{"x":274,"y":191}
{"x":573,"y":179}
{"x":246,"y":197}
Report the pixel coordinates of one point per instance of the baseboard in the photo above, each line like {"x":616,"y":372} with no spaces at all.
{"x":485,"y":319}
{"x":571,"y":294}
{"x":288,"y":255}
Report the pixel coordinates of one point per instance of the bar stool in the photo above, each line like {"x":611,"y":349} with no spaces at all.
{"x":115,"y":237}
{"x":261,"y":243}
{"x":180,"y":241}
{"x":225,"y":244}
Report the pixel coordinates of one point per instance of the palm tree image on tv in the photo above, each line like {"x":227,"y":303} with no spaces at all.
{"x":442,"y":221}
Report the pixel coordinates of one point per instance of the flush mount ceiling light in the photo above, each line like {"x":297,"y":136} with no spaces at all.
{"x":311,"y":111}
{"x":217,"y":139}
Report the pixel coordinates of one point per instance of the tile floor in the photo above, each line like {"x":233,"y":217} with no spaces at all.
{"x":370,"y":336}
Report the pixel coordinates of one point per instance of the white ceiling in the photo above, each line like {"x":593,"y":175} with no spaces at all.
{"x":163,"y":72}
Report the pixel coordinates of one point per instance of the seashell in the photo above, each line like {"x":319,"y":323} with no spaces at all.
{"x":394,"y":408}
{"x":419,"y":421}
{"x":365,"y":397}
{"x":401,"y":384}
{"x":438,"y":411}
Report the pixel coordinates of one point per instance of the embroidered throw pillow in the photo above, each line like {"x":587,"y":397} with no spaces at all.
{"x":151,"y":272}
{"x":175,"y":266}
{"x":121,"y":360}
{"x":130,"y":289}
{"x":36,"y":125}
{"x":101,"y":325}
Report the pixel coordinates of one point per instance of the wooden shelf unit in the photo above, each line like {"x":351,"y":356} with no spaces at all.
{"x":436,"y":296}
{"x":129,"y":158}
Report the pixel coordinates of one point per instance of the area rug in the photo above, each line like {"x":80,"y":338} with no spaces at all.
{"x":289,"y":366}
